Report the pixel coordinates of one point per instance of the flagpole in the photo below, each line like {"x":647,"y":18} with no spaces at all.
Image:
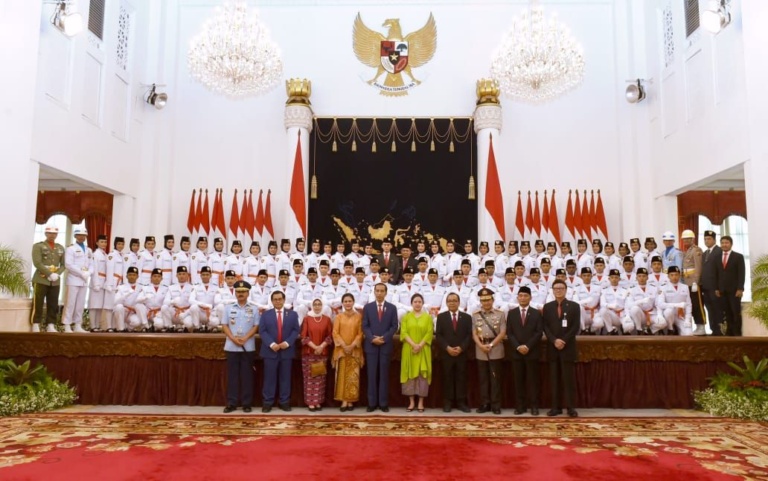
{"x":491,"y":222}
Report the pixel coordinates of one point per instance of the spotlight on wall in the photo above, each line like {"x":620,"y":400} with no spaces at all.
{"x":155,"y":98}
{"x":717,"y":16}
{"x":66,"y":19}
{"x":635,"y":91}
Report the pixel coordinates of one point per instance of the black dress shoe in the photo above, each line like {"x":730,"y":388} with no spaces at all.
{"x":229,"y":409}
{"x":464,"y":408}
{"x":285,"y":407}
{"x":519,"y":412}
{"x":247,"y":409}
{"x":534,"y":411}
{"x":370,"y":409}
{"x":447,"y":409}
{"x":554,"y":412}
{"x":266,"y":409}
{"x":572,"y":413}
{"x":497,"y":411}
{"x":384,"y":409}
{"x":483,"y":409}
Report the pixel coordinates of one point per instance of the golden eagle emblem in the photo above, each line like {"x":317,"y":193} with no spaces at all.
{"x":394,"y":54}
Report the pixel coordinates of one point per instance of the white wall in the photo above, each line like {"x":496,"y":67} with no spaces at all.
{"x":572,"y":142}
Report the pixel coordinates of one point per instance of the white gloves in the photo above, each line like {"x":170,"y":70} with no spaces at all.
{"x":96,"y":288}
{"x":53,"y":277}
{"x":694,"y":287}
{"x":687,"y":323}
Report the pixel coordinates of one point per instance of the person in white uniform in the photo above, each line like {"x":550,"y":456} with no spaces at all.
{"x":674,"y":303}
{"x":100,"y":301}
{"x":199,"y":259}
{"x":587,"y":295}
{"x":613,"y":301}
{"x":127,"y":305}
{"x":147,"y":260}
{"x":225,"y":295}
{"x":176,"y":307}
{"x":78,"y":260}
{"x":153,"y":298}
{"x":165,"y":260}
{"x":202,"y":300}
{"x":643,"y":317}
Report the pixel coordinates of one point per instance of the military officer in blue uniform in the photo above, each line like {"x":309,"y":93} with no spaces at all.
{"x":240,"y":322}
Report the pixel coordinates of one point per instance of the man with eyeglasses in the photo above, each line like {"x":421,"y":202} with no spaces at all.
{"x":562,"y":319}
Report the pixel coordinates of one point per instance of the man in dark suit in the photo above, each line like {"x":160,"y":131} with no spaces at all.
{"x":404,"y":262}
{"x":711,"y":257}
{"x":278,"y":329}
{"x":379,"y":327}
{"x":454,"y":335}
{"x":562,"y":320}
{"x":388,"y":259}
{"x":730,"y":270}
{"x":524,"y":329}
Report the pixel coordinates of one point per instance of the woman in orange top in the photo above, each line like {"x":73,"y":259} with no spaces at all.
{"x":348,"y":353}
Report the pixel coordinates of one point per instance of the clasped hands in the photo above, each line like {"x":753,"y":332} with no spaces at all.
{"x":453,"y":351}
{"x":522,"y":349}
{"x":559,"y":344}
{"x":276,"y":347}
{"x":378,"y":340}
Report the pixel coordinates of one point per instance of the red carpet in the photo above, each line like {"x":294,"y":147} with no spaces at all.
{"x":95,"y":447}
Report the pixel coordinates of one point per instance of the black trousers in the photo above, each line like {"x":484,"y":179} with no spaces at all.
{"x":454,"y":379}
{"x":732,"y":312}
{"x":714,"y":307}
{"x":489,"y":373}
{"x":240,"y":378}
{"x":526,"y":373}
{"x":697,"y":307}
{"x":49,"y":295}
{"x":565,"y":369}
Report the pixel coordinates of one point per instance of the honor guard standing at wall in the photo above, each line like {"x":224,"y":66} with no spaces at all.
{"x":153,"y":297}
{"x":199,"y":259}
{"x":202,"y":300}
{"x":147,"y":260}
{"x":217,"y":261}
{"x":299,"y":253}
{"x":48,"y":259}
{"x":253,"y":263}
{"x":235,"y":261}
{"x":692,"y":265}
{"x":452,"y":261}
{"x":283,"y":259}
{"x":313,"y":258}
{"x":131,"y":258}
{"x":176,"y":307}
{"x":100,"y":298}
{"x":165,"y":260}
{"x":489,"y":330}
{"x":115,"y":278}
{"x":127,"y":304}
{"x":78,"y":260}
{"x":181,"y":258}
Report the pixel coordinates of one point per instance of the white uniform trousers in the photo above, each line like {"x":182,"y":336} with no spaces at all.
{"x":673,"y":318}
{"x":135,"y":315}
{"x":178,"y":317}
{"x":101,"y":299}
{"x":73,"y":309}
{"x":588,"y":317}
{"x":155,"y":317}
{"x":608,"y":319}
{"x":204,"y":317}
{"x":641,"y":318}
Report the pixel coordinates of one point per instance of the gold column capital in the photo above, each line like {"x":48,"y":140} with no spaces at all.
{"x":488,"y":92}
{"x":298,"y":91}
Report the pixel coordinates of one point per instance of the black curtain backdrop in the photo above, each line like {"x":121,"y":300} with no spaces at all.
{"x":402,"y":195}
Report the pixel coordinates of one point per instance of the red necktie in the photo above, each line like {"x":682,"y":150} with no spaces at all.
{"x":725,"y":259}
{"x":455,"y":323}
{"x":386,"y":260}
{"x":559,"y":310}
{"x":279,"y":327}
{"x":522,"y":316}
{"x":381,"y":311}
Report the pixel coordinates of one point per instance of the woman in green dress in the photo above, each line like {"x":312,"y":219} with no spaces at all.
{"x":416,"y":360}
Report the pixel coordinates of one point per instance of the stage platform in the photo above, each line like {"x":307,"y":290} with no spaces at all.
{"x":189,"y":369}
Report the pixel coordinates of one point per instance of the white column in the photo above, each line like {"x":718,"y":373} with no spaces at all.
{"x":298,"y":124}
{"x":754,"y":16}
{"x":20,"y":37}
{"x":487,"y":124}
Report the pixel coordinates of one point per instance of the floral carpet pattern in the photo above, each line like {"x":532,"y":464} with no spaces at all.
{"x":724,"y":446}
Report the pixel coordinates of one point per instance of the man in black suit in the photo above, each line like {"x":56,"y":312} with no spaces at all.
{"x":524,"y":328}
{"x":404,"y":262}
{"x":454,"y":335}
{"x":388,"y":259}
{"x":562,"y":320}
{"x":711,"y":257}
{"x":731,"y":274}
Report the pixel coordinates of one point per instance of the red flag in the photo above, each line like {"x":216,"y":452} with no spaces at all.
{"x":191,"y":217}
{"x":519,"y":222}
{"x":592,"y":214}
{"x":494,"y":203}
{"x":537,"y":216}
{"x":268,"y":215}
{"x":243,"y":213}
{"x":545,"y":216}
{"x":529,"y":214}
{"x":586,"y":221}
{"x":234,"y":220}
{"x":298,"y":192}
{"x":569,"y":217}
{"x":219,"y":223}
{"x":199,"y":212}
{"x":249,"y":220}
{"x":206,"y":218}
{"x":554,"y":222}
{"x":578,"y":220}
{"x":600,"y":216}
{"x":215,"y":211}
{"x":259,"y":222}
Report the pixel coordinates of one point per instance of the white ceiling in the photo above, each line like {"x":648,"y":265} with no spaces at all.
{"x":52,"y":179}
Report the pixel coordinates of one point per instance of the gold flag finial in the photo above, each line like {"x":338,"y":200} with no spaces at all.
{"x":298,"y":91}
{"x":487,"y":91}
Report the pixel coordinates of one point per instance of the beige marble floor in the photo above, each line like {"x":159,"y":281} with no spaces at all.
{"x":360,"y":411}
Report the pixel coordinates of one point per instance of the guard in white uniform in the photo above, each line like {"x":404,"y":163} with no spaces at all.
{"x":628,"y":272}
{"x":324,"y":277}
{"x":225,"y":295}
{"x":641,"y":306}
{"x":473,"y":303}
{"x":115,"y":273}
{"x":470,"y":255}
{"x":299,"y":253}
{"x":355,"y":255}
{"x":674,"y":303}
{"x":283,"y":259}
{"x":583,"y":258}
{"x":404,"y":292}
{"x":637,"y":253}
{"x":298,"y":280}
{"x":131,"y":258}
{"x":539,"y":289}
{"x":181,"y":258}
{"x":421,"y":277}
{"x":437,"y":261}
{"x":235,"y":261}
{"x":458,"y":287}
{"x":165,"y":260}
{"x":127,"y":304}
{"x":587,"y":295}
{"x":253,"y":263}
{"x":313,"y":258}
{"x":613,"y":300}
{"x":147,"y":260}
{"x":600,"y":277}
{"x":176,"y":307}
{"x":525,"y":256}
{"x":506,"y":298}
{"x":572,"y":279}
{"x":202,"y":300}
{"x":614,"y":260}
{"x":348,"y":276}
{"x":153,"y":297}
{"x":307,"y":293}
{"x":198,"y":260}
{"x":217,"y":262}
{"x":259,"y":295}
{"x":433,"y":293}
{"x":270,"y":263}
{"x":375,"y":276}
{"x":360,"y":290}
{"x":78,"y":260}
{"x":100,"y":300}
{"x":484,"y":254}
{"x":657,"y":278}
{"x":332,"y":294}
{"x":284,"y":287}
{"x":452,"y":262}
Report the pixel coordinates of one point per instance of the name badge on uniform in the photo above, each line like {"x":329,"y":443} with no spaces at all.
{"x":565,"y":322}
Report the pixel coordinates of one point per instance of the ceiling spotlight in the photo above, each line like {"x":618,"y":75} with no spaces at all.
{"x":65,"y":19}
{"x":635,"y":92}
{"x":158,"y":99}
{"x":716,"y":17}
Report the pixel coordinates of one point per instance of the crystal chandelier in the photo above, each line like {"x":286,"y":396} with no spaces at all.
{"x":234,"y":54}
{"x":538,"y":59}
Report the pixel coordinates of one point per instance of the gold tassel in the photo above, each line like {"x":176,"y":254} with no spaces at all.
{"x":333,"y":147}
{"x":354,"y":146}
{"x":413,"y":146}
{"x":373,"y":147}
{"x":313,"y":187}
{"x":471,"y":195}
{"x":432,"y":146}
{"x":394,"y":146}
{"x":450,"y":148}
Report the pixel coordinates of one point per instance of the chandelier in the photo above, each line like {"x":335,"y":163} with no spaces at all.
{"x":538,"y":58}
{"x":234,"y":54}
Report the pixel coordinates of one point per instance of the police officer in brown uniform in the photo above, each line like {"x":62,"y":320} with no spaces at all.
{"x":693,"y":263}
{"x":48,"y":259}
{"x":489,"y":326}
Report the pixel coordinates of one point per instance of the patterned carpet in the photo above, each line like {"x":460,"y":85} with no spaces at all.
{"x":89,"y":446}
